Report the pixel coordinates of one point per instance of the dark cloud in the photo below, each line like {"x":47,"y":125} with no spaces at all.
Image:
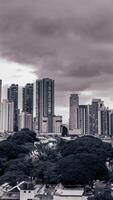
{"x":68,"y":40}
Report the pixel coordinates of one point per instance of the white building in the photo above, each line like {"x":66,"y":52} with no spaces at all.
{"x":70,"y":194}
{"x":6,"y":116}
{"x":45,"y":124}
{"x":75,"y":132}
{"x":27,"y":194}
{"x":0,"y":91}
{"x":25,"y":120}
{"x":22,"y":191}
{"x":57,"y":122}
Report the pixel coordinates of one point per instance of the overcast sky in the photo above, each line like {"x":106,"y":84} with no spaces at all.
{"x":70,"y":41}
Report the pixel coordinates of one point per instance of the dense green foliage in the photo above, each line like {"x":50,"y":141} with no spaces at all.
{"x":13,"y":165}
{"x":84,"y":160}
{"x":77,"y":162}
{"x":105,"y":195}
{"x":22,"y":137}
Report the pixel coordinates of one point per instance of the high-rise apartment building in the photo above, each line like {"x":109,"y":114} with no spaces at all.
{"x":45,"y":103}
{"x":28,"y":98}
{"x":103,"y":124}
{"x":0,"y":91}
{"x":12,"y":96}
{"x":83,"y":117}
{"x":96,"y":105}
{"x":89,"y":110}
{"x":111,"y":123}
{"x":74,"y":112}
{"x":99,"y":119}
{"x":7,"y":116}
{"x":25,"y":121}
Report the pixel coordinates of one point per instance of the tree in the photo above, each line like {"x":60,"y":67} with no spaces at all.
{"x":23,"y":136}
{"x":81,"y":169}
{"x":90,"y":145}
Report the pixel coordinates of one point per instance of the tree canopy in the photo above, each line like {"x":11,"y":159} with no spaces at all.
{"x":77,"y":162}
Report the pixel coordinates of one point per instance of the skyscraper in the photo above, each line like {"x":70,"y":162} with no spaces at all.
{"x":45,"y":103}
{"x":74,"y":112}
{"x":103,"y":120}
{"x":12,"y":96}
{"x":83,"y":116}
{"x":111,"y":123}
{"x":0,"y":91}
{"x":89,"y":110}
{"x":96,"y":104}
{"x":28,"y":98}
{"x":7,"y":116}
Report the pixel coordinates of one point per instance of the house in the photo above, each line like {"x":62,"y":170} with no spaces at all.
{"x":22,"y":191}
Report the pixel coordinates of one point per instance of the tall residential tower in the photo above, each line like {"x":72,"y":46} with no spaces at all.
{"x":74,"y":112}
{"x":12,"y":96}
{"x":28,"y":98}
{"x":45,"y":104}
{"x":0,"y":91}
{"x":7,"y":116}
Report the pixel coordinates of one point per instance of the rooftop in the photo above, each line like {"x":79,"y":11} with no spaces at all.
{"x":70,"y":192}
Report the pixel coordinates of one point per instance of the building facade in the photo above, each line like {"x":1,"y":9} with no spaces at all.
{"x":96,"y":105}
{"x":28,"y":98}
{"x":45,"y":103}
{"x":57,"y":123}
{"x":74,"y":112}
{"x":7,"y":116}
{"x":0,"y":91}
{"x":25,"y":121}
{"x":83,"y":117}
{"x":12,"y":96}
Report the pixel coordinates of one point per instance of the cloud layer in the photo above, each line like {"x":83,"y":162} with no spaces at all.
{"x":68,"y":40}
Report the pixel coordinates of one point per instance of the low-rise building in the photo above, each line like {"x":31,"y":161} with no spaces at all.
{"x":25,"y":121}
{"x":69,"y":194}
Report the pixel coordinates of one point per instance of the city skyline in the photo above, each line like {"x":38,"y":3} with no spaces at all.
{"x":69,"y":41}
{"x":38,"y":111}
{"x":58,"y":110}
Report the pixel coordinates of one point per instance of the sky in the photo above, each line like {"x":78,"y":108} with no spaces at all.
{"x":70,"y":41}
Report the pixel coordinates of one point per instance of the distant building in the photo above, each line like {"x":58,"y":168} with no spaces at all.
{"x":45,"y":125}
{"x":7,"y":116}
{"x":110,"y":122}
{"x":96,"y":105}
{"x":89,"y":110}
{"x":74,"y":112}
{"x":44,"y":103}
{"x":103,"y":121}
{"x":28,"y":98}
{"x":75,"y":132}
{"x":0,"y":91}
{"x":12,"y":96}
{"x":57,"y":123}
{"x":25,"y":120}
{"x":83,"y":117}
